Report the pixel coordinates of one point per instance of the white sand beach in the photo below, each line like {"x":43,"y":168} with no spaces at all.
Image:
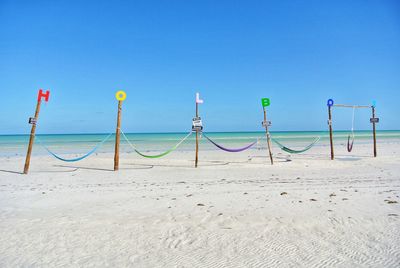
{"x":235,"y":210}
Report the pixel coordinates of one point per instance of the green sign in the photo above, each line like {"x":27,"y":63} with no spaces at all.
{"x":265,"y":102}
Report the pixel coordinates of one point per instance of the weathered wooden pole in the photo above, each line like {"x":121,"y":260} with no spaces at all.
{"x":33,"y":121}
{"x":197,"y":138}
{"x":330,"y":104}
{"x":265,"y":102}
{"x":198,"y":127}
{"x":120,"y":96}
{"x":374,"y":128}
{"x":268,"y":136}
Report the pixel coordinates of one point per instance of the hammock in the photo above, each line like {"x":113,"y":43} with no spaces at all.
{"x":230,"y":150}
{"x":350,"y":144}
{"x":291,"y":151}
{"x":74,"y":159}
{"x":158,"y":155}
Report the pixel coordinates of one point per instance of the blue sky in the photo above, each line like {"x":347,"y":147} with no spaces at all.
{"x":298,"y":53}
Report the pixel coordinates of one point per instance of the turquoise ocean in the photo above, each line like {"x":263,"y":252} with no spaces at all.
{"x":16,"y":145}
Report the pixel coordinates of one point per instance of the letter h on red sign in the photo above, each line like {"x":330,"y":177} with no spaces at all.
{"x":44,"y":95}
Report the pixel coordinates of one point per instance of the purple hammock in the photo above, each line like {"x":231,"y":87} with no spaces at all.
{"x":230,"y":150}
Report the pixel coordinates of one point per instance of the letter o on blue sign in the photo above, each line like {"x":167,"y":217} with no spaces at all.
{"x":330,"y":102}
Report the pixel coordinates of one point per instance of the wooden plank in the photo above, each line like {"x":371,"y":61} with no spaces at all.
{"x":351,"y":106}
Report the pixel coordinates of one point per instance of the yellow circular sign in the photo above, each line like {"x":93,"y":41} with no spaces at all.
{"x":120,"y":95}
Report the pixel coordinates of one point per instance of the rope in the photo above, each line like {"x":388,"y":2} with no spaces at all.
{"x":291,"y":151}
{"x":74,"y":159}
{"x":230,"y":150}
{"x":158,"y":155}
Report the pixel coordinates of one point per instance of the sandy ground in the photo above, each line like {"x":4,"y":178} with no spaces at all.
{"x":235,"y":210}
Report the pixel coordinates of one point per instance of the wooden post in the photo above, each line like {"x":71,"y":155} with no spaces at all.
{"x":268,"y":136}
{"x":197,"y":138}
{"x":374,"y":129}
{"x":32,"y":138}
{"x":117,"y":137}
{"x":33,"y":129}
{"x":330,"y":130}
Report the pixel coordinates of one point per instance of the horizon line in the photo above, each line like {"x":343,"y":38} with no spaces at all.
{"x":180,"y":132}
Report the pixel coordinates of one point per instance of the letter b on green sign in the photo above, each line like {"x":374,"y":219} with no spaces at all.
{"x":265,"y":102}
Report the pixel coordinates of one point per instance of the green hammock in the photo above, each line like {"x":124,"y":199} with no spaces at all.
{"x":291,"y":151}
{"x":157,"y":155}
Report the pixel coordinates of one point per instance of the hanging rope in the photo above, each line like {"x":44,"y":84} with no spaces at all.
{"x":291,"y":151}
{"x":350,"y":144}
{"x":158,"y":155}
{"x":230,"y":150}
{"x":74,"y":159}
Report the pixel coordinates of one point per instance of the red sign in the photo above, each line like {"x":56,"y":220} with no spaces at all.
{"x":44,"y":95}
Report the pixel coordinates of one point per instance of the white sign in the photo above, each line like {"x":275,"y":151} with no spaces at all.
{"x":32,"y":120}
{"x":197,"y":124}
{"x":266,"y":123}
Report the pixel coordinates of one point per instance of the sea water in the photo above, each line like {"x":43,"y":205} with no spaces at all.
{"x":16,"y":145}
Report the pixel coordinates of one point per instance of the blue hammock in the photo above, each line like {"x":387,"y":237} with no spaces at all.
{"x":78,"y":158}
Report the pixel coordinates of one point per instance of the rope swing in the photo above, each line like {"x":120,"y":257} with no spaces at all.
{"x":157,"y":155}
{"x":228,"y":149}
{"x":74,"y":159}
{"x":350,"y":144}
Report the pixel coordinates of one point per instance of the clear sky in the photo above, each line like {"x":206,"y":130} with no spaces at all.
{"x":298,"y":53}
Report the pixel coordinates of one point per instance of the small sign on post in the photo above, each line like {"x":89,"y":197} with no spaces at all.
{"x":32,"y":120}
{"x":266,"y":123}
{"x":374,"y":120}
{"x":265,"y":102}
{"x":197,"y":124}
